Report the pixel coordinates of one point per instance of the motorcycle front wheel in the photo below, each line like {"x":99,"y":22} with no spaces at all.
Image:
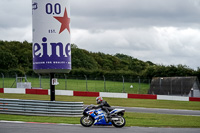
{"x":86,"y":121}
{"x":119,"y":123}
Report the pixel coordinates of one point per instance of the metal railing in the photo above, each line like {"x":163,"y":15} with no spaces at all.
{"x":37,"y":107}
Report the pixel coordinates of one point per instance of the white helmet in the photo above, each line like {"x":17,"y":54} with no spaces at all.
{"x":99,"y":100}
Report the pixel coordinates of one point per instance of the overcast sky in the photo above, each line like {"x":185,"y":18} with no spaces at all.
{"x":162,"y":31}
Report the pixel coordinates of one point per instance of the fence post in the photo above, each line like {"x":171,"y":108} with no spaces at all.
{"x":25,"y":78}
{"x":77,"y":82}
{"x":52,"y":87}
{"x":161,"y":85}
{"x":86,"y":82}
{"x":149,"y":83}
{"x":171,"y":86}
{"x":181,"y":88}
{"x":2,"y":79}
{"x":139,"y":85}
{"x":123,"y":83}
{"x":16,"y":79}
{"x":95,"y":84}
{"x":65,"y":81}
{"x":104,"y":83}
{"x":40,"y":80}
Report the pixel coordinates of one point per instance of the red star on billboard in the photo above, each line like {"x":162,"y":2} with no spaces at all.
{"x":64,"y":22}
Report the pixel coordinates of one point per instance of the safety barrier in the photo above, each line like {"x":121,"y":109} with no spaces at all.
{"x":37,"y":107}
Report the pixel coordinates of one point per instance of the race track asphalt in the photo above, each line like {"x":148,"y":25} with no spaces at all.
{"x":20,"y":127}
{"x":162,"y":111}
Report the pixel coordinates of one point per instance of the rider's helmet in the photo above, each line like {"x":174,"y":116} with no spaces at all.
{"x":99,"y":100}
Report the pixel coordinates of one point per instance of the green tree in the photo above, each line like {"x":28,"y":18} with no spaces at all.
{"x":7,"y":60}
{"x":82,"y":59}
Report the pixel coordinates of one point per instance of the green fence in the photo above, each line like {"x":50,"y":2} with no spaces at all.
{"x":82,"y":83}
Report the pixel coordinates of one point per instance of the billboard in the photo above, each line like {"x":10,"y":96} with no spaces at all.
{"x":51,"y":36}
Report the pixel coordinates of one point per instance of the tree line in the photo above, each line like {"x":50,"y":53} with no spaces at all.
{"x":16,"y":57}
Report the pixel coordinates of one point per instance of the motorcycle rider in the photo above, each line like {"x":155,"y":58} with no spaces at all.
{"x":104,"y":106}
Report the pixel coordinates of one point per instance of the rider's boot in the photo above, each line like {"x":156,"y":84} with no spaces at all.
{"x":108,"y":118}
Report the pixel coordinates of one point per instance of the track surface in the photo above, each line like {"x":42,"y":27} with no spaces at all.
{"x":162,"y":111}
{"x":12,"y":127}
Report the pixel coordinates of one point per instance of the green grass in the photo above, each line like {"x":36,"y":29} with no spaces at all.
{"x":114,"y":101}
{"x":42,"y":119}
{"x":161,"y":120}
{"x":80,"y":85}
{"x":132,"y":119}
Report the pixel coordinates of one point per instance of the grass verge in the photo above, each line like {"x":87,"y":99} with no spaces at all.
{"x":132,"y":119}
{"x":161,"y":120}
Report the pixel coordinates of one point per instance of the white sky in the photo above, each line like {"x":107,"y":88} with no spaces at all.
{"x":162,"y":31}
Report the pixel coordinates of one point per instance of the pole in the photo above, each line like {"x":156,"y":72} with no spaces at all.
{"x":65,"y":81}
{"x":3,"y":79}
{"x":161,"y":85}
{"x":52,"y":87}
{"x":104,"y":83}
{"x":86,"y":82}
{"x":95,"y":85}
{"x":181,"y":89}
{"x":40,"y":80}
{"x":138,"y":84}
{"x":16,"y":79}
{"x":25,"y":78}
{"x":123,"y":82}
{"x":171,"y":85}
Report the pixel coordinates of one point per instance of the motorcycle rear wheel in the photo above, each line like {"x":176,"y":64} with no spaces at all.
{"x":119,"y":123}
{"x":86,"y":121}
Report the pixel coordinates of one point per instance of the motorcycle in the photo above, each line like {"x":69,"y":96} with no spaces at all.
{"x":98,"y":117}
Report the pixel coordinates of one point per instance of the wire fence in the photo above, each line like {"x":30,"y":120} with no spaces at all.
{"x":119,"y":84}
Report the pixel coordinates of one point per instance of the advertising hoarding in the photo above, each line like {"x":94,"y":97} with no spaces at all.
{"x":51,"y":36}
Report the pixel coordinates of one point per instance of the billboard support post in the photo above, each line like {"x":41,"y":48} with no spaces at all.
{"x":52,"y":87}
{"x":51,"y":48}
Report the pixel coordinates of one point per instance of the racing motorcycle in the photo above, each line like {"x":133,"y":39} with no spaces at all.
{"x":98,"y":117}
